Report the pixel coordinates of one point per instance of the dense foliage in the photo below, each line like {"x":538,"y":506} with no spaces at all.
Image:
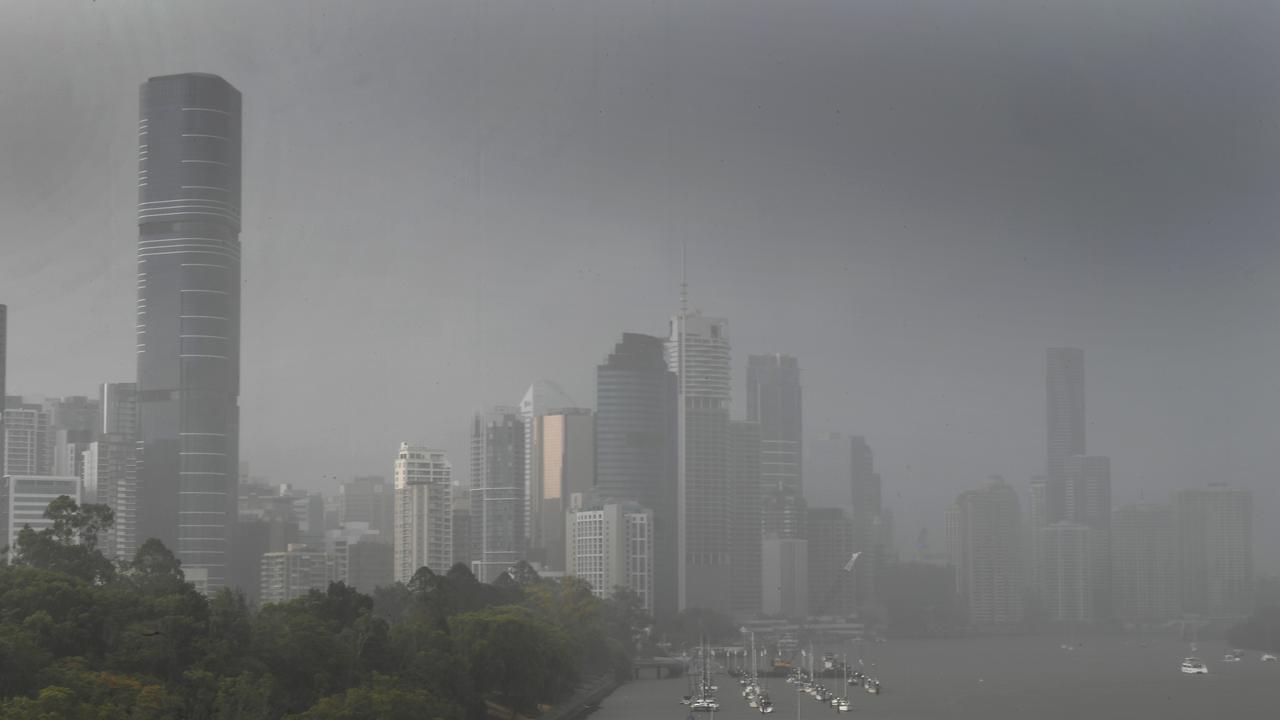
{"x":81,"y":638}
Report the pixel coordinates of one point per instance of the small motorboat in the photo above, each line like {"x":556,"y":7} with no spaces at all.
{"x":1194,"y":666}
{"x":843,"y":705}
{"x":1268,"y":657}
{"x":871,"y":686}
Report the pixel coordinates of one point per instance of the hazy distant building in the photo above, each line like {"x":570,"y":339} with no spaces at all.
{"x":610,"y":545}
{"x":1144,"y":563}
{"x":698,"y":352}
{"x":1070,"y":573}
{"x":830,"y":537}
{"x":784,"y":578}
{"x":986,"y":528}
{"x":370,"y":565}
{"x":636,"y":448}
{"x":497,"y":492}
{"x":745,"y":517}
{"x":543,"y":396}
{"x":110,"y":478}
{"x":4,"y":354}
{"x":1065,"y":422}
{"x":369,"y":499}
{"x":462,"y":534}
{"x":1037,"y":520}
{"x":295,"y":572}
{"x":868,"y":529}
{"x":29,"y":438}
{"x":23,"y":500}
{"x":774,"y":400}
{"x":188,"y":317}
{"x":564,"y":463}
{"x":1215,"y":551}
{"x":423,"y":535}
{"x":1088,"y":502}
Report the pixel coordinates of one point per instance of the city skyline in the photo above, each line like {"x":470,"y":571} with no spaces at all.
{"x":1151,"y":315}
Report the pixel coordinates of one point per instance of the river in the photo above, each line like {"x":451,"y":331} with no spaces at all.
{"x":1003,"y":678}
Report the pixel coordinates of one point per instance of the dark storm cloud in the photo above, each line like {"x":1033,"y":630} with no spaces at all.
{"x":445,"y":201}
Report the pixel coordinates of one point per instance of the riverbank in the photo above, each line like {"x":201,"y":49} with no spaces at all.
{"x":584,"y":700}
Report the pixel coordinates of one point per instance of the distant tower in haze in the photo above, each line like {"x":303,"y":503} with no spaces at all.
{"x":1065,"y":424}
{"x":745,"y":537}
{"x":1088,"y":502}
{"x":1144,"y":567}
{"x":564,"y":465}
{"x":983,"y":530}
{"x":4,"y":350}
{"x":497,"y":492}
{"x":774,"y":400}
{"x":698,"y":351}
{"x":1215,"y":551}
{"x":188,"y":322}
{"x":868,"y":533}
{"x":423,"y":530}
{"x":636,"y":440}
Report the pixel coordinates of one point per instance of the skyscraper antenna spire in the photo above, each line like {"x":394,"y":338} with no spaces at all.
{"x":684,"y":279}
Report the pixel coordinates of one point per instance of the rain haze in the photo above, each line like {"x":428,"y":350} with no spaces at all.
{"x":446,"y":201}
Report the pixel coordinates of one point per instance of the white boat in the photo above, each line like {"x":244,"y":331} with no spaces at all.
{"x":1193,"y":666}
{"x":1233,"y":656}
{"x":843,"y":705}
{"x":1268,"y":657}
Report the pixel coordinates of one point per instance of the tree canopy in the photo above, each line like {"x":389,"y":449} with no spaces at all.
{"x":82,"y":637}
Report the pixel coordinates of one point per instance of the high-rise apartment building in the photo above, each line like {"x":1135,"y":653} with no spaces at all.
{"x":1215,"y":551}
{"x":188,"y":317}
{"x":989,"y":561}
{"x":564,"y":464}
{"x":295,"y":572}
{"x":1070,"y":573}
{"x":1144,"y":564}
{"x":745,"y":537}
{"x":110,"y":478}
{"x":23,"y":500}
{"x":637,"y":440}
{"x":831,"y":587}
{"x":698,"y":352}
{"x":774,"y":400}
{"x":497,"y":492}
{"x":423,"y":511}
{"x":1065,"y":422}
{"x":29,"y":437}
{"x":610,"y":545}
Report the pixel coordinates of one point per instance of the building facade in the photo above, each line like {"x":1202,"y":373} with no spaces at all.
{"x":110,"y":478}
{"x":542,"y":397}
{"x":609,"y":546}
{"x":423,"y":534}
{"x":295,"y":572}
{"x":784,"y":578}
{"x":831,"y":586}
{"x":745,"y":523}
{"x":1065,"y":422}
{"x":368,"y":499}
{"x":636,"y":439}
{"x":868,"y":520}
{"x":775,"y":401}
{"x":1144,"y":564}
{"x":563,"y":463}
{"x":29,"y":438}
{"x":497,"y":492}
{"x":698,"y":351}
{"x":188,"y":317}
{"x":988,"y":559}
{"x":23,"y":500}
{"x":1070,"y":573}
{"x":1088,"y":502}
{"x":1215,"y":551}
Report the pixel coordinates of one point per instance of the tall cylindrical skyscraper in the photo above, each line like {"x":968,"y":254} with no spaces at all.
{"x":188,"y":326}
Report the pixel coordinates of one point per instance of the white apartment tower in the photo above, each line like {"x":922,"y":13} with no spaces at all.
{"x":423,"y":511}
{"x":611,"y":545}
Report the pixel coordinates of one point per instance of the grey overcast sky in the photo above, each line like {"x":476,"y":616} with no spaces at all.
{"x":445,"y":201}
